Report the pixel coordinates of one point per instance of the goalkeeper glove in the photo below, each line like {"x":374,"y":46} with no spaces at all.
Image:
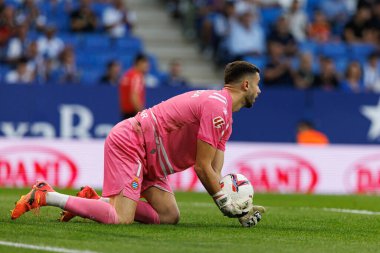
{"x":251,"y":218}
{"x":227,"y":206}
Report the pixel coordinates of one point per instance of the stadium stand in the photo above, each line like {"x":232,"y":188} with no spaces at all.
{"x":91,"y":50}
{"x":343,"y":31}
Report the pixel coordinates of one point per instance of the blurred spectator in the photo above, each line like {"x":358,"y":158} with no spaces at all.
{"x":2,"y":6}
{"x":283,"y":4}
{"x":216,"y":28}
{"x":36,"y":62}
{"x":112,"y":74}
{"x":17,"y":45}
{"x":21,"y":75}
{"x":336,"y":12}
{"x":67,"y":71}
{"x":366,"y":3}
{"x":29,"y":13}
{"x":319,"y":30}
{"x":173,"y":7}
{"x":49,"y":45}
{"x":358,"y":28}
{"x":304,"y":76}
{"x":327,"y":79}
{"x":372,"y":74}
{"x":83,"y":19}
{"x":353,"y":78}
{"x":174,"y":78}
{"x":277,"y":70}
{"x":376,"y":14}
{"x":282,"y":35}
{"x":7,"y":26}
{"x":246,"y":37}
{"x":297,"y":21}
{"x":375,"y":22}
{"x":117,"y":19}
{"x":307,"y":134}
{"x":132,"y":87}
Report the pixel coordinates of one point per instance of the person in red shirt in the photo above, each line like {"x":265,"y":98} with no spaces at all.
{"x":132,"y":88}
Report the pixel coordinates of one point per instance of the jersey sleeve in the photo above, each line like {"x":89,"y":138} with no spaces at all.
{"x":213,"y":124}
{"x":225,"y":137}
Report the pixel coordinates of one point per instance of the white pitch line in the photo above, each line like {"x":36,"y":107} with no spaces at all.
{"x":338,"y":210}
{"x":44,"y":248}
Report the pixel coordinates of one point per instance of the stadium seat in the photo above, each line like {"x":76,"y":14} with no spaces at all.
{"x":360,"y":51}
{"x":129,"y":42}
{"x":76,"y":40}
{"x":3,"y":72}
{"x":97,"y":41}
{"x":259,"y":61}
{"x":311,"y":6}
{"x":309,"y":46}
{"x":341,"y":64}
{"x":333,"y":50}
{"x":270,"y":15}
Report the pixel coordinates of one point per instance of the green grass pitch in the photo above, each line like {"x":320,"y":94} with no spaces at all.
{"x":293,"y":223}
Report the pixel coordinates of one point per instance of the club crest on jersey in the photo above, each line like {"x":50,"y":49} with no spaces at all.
{"x":218,"y":122}
{"x":135,"y":183}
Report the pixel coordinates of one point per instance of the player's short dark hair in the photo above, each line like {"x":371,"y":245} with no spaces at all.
{"x":305,"y":123}
{"x":22,"y":60}
{"x":140,"y":57}
{"x":111,"y":63}
{"x":373,"y":56}
{"x":236,"y":70}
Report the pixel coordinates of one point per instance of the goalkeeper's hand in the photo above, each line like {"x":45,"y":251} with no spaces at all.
{"x":250,"y":219}
{"x":227,"y":206}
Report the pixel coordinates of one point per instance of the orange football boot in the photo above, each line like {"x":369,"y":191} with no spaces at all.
{"x":33,"y":200}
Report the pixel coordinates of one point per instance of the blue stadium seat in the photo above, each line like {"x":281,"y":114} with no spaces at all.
{"x":90,"y":76}
{"x":3,"y":72}
{"x":309,"y":46}
{"x":97,"y":41}
{"x":311,"y":6}
{"x":98,"y":8}
{"x":259,"y":61}
{"x":129,"y":42}
{"x":341,"y":64}
{"x":76,"y":40}
{"x":270,"y":15}
{"x":333,"y":50}
{"x":153,"y":65}
{"x":360,"y":51}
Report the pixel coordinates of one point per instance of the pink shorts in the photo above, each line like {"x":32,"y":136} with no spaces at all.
{"x":125,"y":165}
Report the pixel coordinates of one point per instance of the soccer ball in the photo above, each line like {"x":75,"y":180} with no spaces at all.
{"x":239,"y":188}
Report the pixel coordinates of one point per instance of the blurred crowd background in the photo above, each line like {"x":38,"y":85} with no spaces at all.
{"x":303,"y":44}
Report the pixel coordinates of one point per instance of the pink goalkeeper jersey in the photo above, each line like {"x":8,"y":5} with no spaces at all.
{"x":171,"y":129}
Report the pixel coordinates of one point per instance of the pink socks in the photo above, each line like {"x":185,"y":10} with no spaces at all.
{"x":146,"y":214}
{"x":105,"y":213}
{"x":92,"y":209}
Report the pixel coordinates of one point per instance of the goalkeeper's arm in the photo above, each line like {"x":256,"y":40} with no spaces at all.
{"x":210,"y":179}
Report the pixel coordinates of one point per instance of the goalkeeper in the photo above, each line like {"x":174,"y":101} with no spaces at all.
{"x":188,"y":130}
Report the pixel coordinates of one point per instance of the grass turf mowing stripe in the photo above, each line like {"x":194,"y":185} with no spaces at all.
{"x":43,"y":248}
{"x":338,"y":210}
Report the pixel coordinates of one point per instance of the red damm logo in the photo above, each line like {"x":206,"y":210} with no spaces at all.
{"x":363,"y":176}
{"x":277,"y":172}
{"x":22,"y":165}
{"x":218,"y":122}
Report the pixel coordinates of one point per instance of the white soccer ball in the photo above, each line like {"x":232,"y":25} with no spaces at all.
{"x":239,"y":188}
